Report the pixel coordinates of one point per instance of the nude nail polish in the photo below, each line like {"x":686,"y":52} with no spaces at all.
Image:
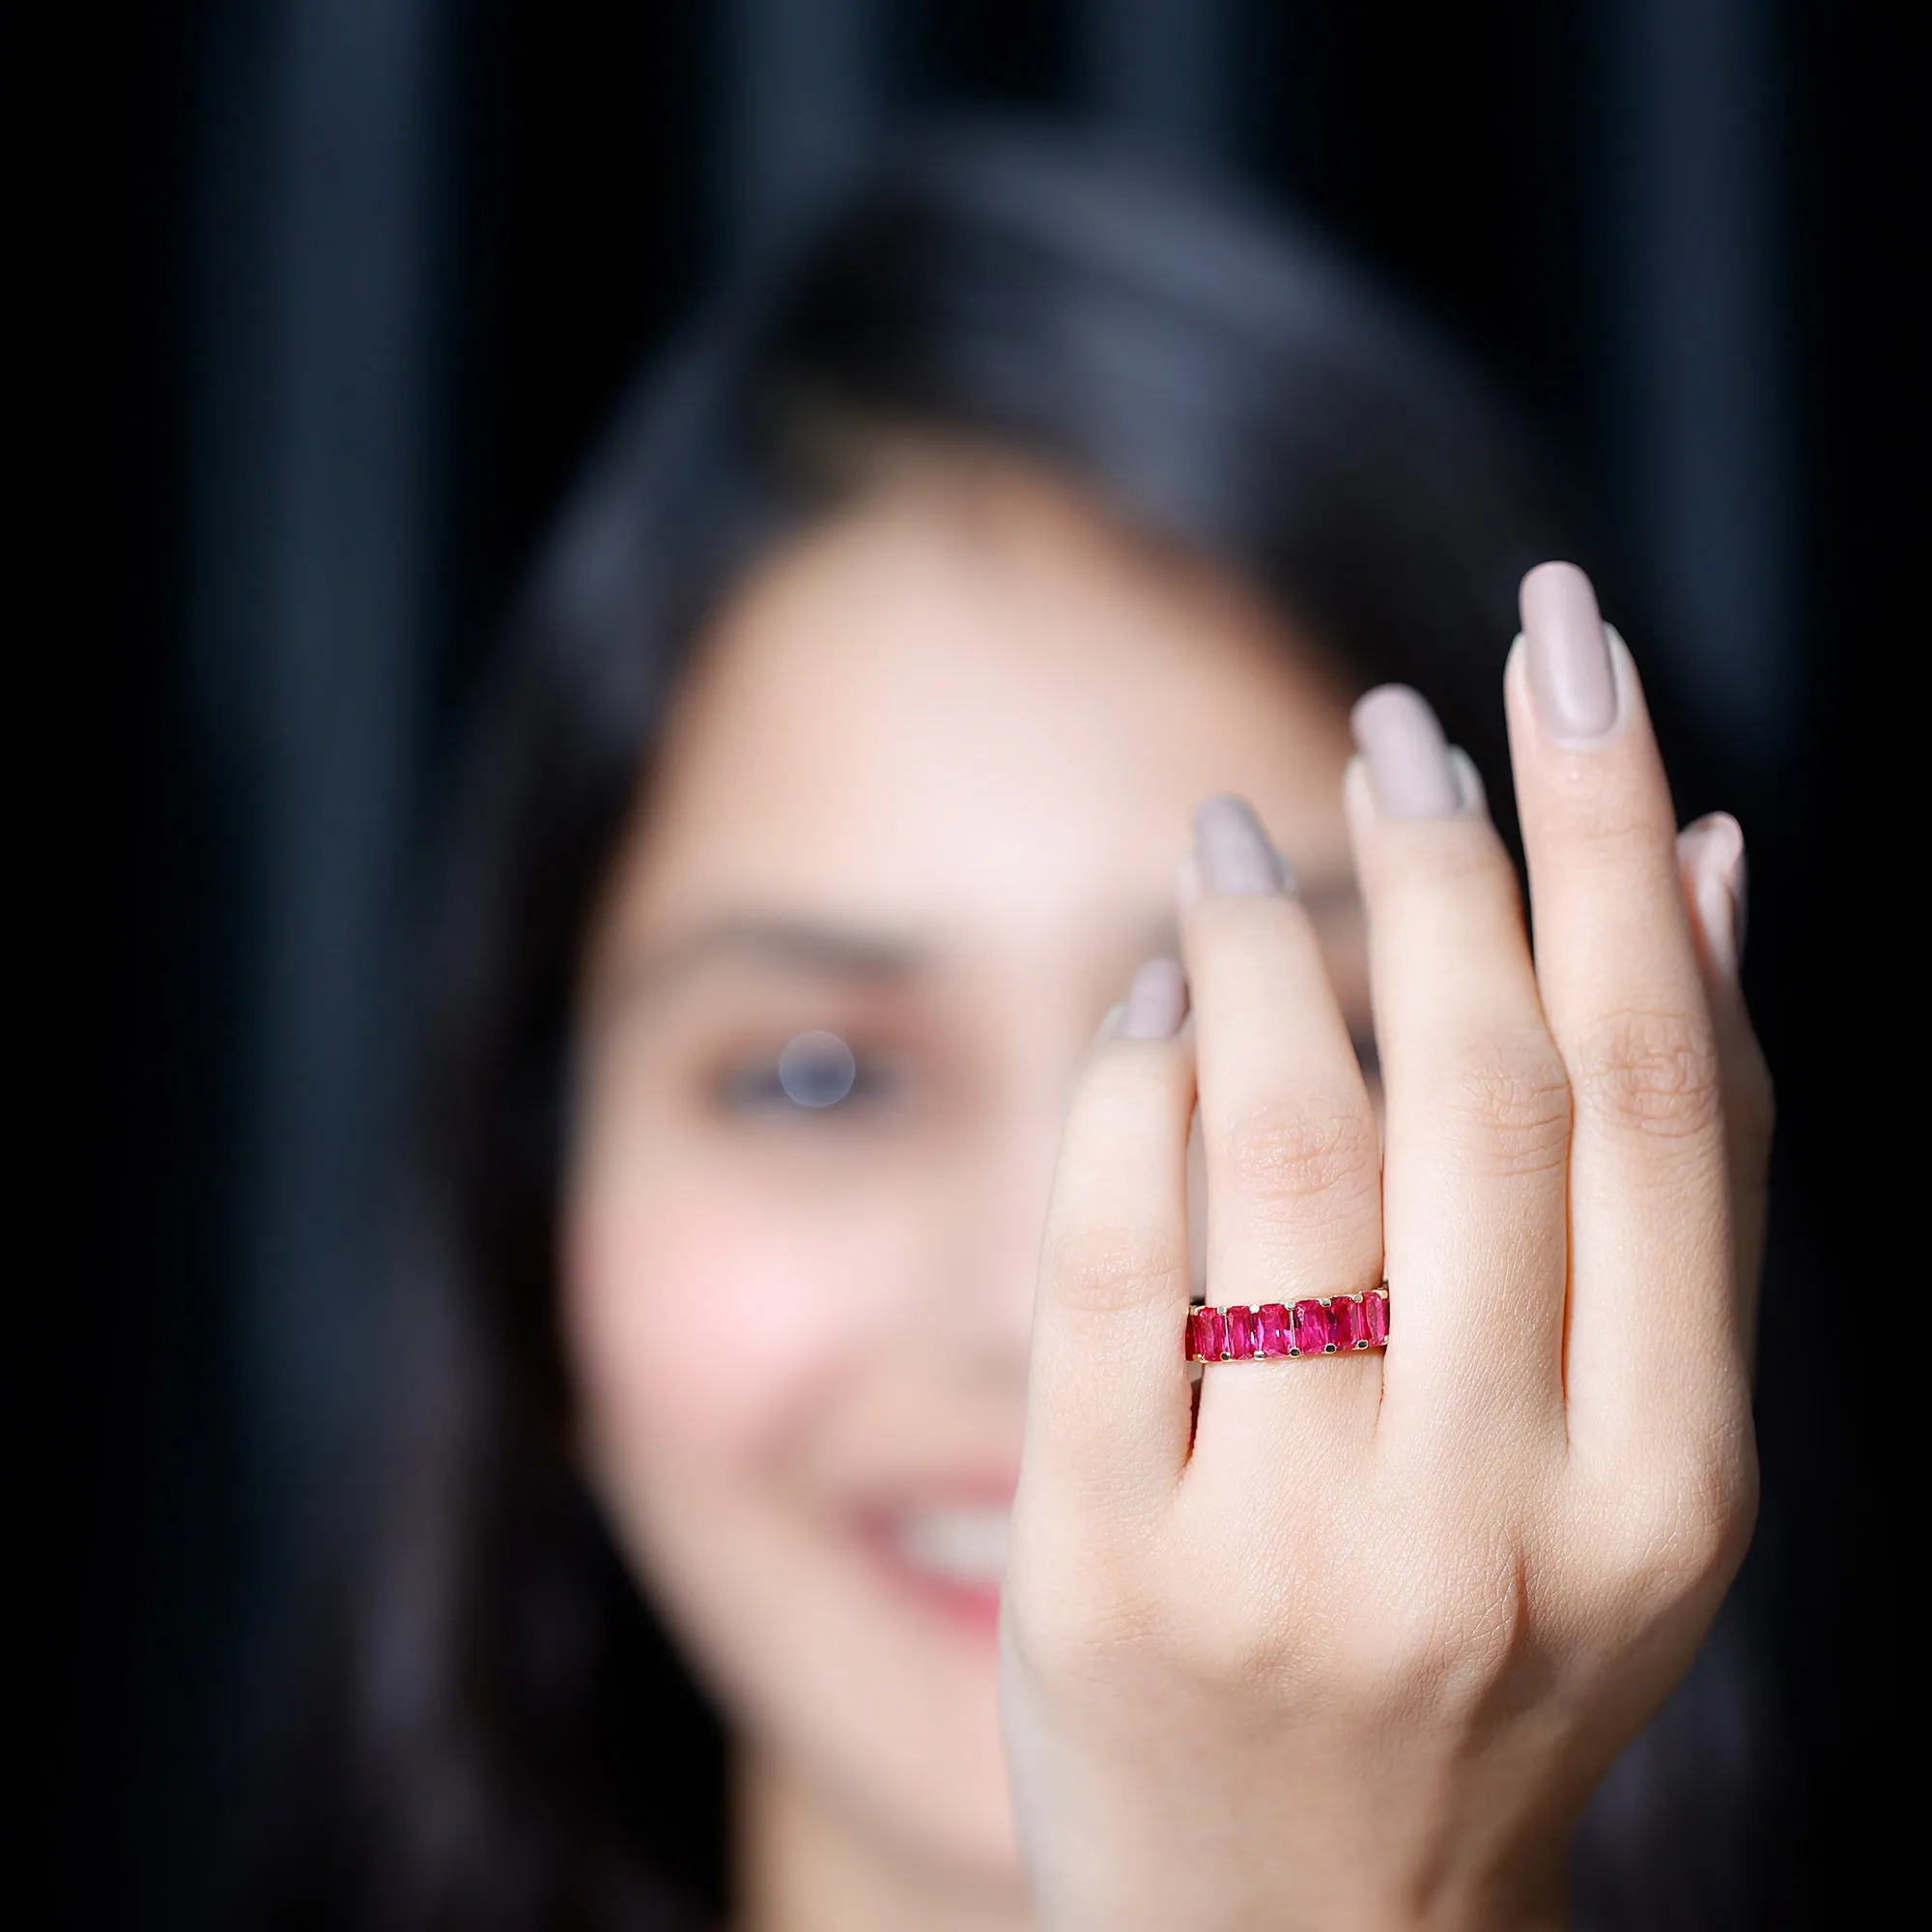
{"x":1570,"y":675}
{"x":1157,"y":1001}
{"x":1232,"y":855}
{"x":1713,"y":848}
{"x":1410,"y":772}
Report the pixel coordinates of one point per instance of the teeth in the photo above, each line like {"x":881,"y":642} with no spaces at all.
{"x":963,"y":1546}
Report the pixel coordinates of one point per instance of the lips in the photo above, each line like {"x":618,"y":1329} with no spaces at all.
{"x":947,"y":1557}
{"x":962,"y":1545}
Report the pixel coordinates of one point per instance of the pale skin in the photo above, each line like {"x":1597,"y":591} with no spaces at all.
{"x":928,"y":790}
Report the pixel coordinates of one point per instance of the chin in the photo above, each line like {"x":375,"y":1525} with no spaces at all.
{"x":918,"y":1739}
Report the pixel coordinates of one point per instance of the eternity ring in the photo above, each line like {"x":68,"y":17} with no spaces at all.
{"x":1326,"y":1326}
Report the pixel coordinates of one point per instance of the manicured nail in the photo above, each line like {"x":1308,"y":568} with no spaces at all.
{"x":1157,"y":1001}
{"x":1408,"y":757}
{"x":1713,"y":851}
{"x":1233,"y":854}
{"x":1469,"y":780}
{"x":1570,"y":675}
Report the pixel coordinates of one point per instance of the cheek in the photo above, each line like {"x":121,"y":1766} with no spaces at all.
{"x":704,"y":1320}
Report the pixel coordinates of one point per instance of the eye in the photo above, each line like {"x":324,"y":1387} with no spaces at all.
{"x":815,"y":1073}
{"x":817,"y":1069}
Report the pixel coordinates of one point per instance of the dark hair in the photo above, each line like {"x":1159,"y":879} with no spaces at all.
{"x":503,"y":1738}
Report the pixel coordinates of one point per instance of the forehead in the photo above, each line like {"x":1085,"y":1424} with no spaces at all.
{"x":970,"y":706}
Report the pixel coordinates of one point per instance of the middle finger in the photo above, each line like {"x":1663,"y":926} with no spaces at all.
{"x":1478,"y":1106}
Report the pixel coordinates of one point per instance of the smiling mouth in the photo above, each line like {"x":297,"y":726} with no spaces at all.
{"x":961,"y":1546}
{"x":949,"y":1559}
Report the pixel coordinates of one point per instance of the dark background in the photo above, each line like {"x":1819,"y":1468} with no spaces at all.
{"x":333,"y":293}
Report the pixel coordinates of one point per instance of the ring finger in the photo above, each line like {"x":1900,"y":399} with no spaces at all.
{"x":1289,"y":1139}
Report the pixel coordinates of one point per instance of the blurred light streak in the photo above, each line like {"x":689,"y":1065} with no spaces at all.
{"x":804,"y":87}
{"x":1699,"y":304}
{"x":1163,"y":71}
{"x":312,"y":550}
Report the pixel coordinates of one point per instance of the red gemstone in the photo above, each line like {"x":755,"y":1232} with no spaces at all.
{"x":1276,"y":1329}
{"x":1351,"y":1327}
{"x":1375,"y":1317}
{"x":1314,"y":1328}
{"x":1209,"y":1333}
{"x":1243,"y":1332}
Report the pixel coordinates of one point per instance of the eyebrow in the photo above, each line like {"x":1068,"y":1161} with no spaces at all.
{"x":764,"y":939}
{"x":847,"y":953}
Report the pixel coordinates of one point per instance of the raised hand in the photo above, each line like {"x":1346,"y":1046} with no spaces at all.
{"x":1352,"y":1645}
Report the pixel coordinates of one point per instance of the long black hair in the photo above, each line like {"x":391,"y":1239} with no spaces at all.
{"x":501,"y":1736}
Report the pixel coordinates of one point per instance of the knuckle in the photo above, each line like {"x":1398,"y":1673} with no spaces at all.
{"x":1075,"y":1637}
{"x":1688,"y":1529}
{"x":1103,"y":1271}
{"x":1290,"y":1155}
{"x":1651,"y":1072}
{"x":1454,"y":1641}
{"x":1216,"y":1650}
{"x":1507,"y":1106}
{"x":1717,"y":1499}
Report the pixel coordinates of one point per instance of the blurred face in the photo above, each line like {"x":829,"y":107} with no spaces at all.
{"x":916,"y":820}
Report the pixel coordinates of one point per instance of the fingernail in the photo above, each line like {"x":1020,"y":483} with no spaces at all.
{"x":1713,"y":851}
{"x":1157,"y":1001}
{"x":1233,"y":854}
{"x":1469,"y":780}
{"x":1570,"y":675}
{"x":1409,"y":768}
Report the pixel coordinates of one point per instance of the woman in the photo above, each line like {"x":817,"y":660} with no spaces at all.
{"x":849,"y":745}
